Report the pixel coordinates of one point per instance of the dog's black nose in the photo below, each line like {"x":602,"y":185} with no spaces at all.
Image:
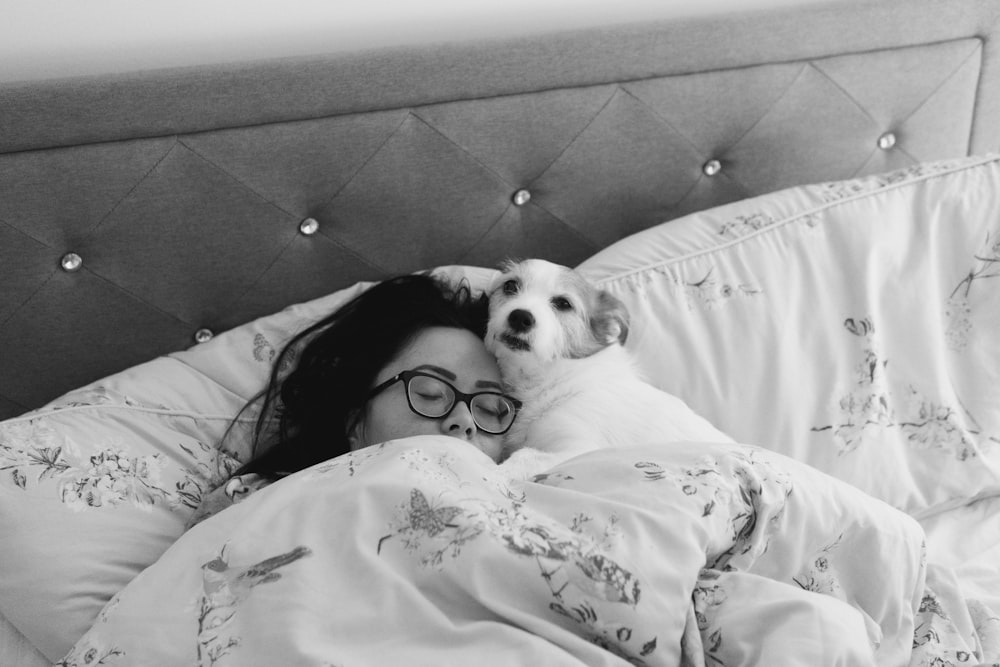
{"x":520,"y":320}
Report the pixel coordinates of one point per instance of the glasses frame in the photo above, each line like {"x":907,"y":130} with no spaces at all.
{"x":459,"y":396}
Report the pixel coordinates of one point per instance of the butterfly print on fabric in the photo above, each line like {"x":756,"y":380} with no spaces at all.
{"x":421,"y":519}
{"x":424,"y":517}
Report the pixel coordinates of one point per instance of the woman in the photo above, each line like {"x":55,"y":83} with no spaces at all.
{"x":403,"y":358}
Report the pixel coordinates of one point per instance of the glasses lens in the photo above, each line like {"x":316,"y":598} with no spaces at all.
{"x":492,"y":412}
{"x":429,"y":396}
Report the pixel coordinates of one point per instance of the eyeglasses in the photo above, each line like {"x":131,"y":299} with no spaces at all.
{"x":430,"y":396}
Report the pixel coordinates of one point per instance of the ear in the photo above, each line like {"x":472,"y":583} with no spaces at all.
{"x":507,"y":265}
{"x":355,"y":430}
{"x":610,"y":319}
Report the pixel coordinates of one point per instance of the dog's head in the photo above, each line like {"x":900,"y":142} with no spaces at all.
{"x":540,"y":312}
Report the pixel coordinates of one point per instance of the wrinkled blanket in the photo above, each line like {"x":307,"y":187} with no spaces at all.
{"x":422,"y":552}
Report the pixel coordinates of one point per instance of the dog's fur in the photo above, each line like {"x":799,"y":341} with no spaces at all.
{"x":558,"y":341}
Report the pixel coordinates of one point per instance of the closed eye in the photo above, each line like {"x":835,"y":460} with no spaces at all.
{"x":561,"y":303}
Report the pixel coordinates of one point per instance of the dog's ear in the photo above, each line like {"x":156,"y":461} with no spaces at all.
{"x":610,"y":319}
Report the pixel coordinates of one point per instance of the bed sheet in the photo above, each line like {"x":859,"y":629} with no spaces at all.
{"x":422,"y":551}
{"x":967,"y":540}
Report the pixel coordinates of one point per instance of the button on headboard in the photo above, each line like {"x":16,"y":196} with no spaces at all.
{"x":140,"y":211}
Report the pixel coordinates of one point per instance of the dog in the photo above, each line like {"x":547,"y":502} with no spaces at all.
{"x":559,"y":343}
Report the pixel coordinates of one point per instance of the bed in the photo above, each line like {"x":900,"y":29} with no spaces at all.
{"x":798,"y":202}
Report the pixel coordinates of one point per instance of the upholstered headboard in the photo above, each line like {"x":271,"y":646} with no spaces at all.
{"x":138,"y":209}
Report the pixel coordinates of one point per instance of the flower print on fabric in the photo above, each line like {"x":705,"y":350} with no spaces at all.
{"x":839,"y":190}
{"x":113,"y":478}
{"x":91,"y":651}
{"x":437,"y":468}
{"x":574,"y":567}
{"x":107,"y":474}
{"x":745,"y":224}
{"x":708,"y":598}
{"x":351,"y":462}
{"x":872,"y":407}
{"x":100,"y":395}
{"x":819,"y":575}
{"x":703,"y":479}
{"x":958,"y":308}
{"x":225,"y":587}
{"x":89,"y":655}
{"x":708,"y":292}
{"x":580,"y":576}
{"x":703,"y":290}
{"x":32,"y":452}
{"x":937,"y":640}
{"x":212,"y":468}
{"x":744,"y":491}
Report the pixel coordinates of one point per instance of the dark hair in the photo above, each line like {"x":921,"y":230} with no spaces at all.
{"x":306,"y":413}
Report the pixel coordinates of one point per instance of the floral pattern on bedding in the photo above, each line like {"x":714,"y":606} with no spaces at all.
{"x":836,"y":191}
{"x":105,"y":473}
{"x":704,"y":483}
{"x":602,"y":561}
{"x":958,"y":310}
{"x":91,"y":656}
{"x":702,"y":290}
{"x":873,"y":407}
{"x":708,"y":292}
{"x":742,"y":225}
{"x":709,"y":595}
{"x":820,"y":572}
{"x":107,"y":476}
{"x":939,"y":640}
{"x":573,"y":564}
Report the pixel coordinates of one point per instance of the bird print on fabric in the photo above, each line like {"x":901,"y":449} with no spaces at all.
{"x":224,"y":587}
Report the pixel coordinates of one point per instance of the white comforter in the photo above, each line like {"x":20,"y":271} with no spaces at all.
{"x":421,"y":552}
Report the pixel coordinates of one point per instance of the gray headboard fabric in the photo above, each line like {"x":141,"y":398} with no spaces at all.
{"x":138,"y":209}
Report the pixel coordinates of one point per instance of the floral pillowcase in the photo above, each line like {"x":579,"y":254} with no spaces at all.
{"x":849,"y":325}
{"x":94,"y":489}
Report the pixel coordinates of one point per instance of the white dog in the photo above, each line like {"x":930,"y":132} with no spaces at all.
{"x":558,"y":341}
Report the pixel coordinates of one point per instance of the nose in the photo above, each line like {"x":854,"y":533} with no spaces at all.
{"x":521,"y":320}
{"x":459,"y":422}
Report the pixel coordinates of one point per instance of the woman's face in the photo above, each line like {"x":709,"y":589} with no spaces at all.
{"x":454,"y":355}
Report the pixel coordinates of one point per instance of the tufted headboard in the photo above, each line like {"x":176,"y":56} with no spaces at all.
{"x":137,"y":209}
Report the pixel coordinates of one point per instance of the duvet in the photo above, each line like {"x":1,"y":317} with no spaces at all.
{"x":422,"y":552}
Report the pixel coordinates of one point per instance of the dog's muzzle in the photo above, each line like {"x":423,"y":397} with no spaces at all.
{"x":520,"y":320}
{"x":514,"y":342}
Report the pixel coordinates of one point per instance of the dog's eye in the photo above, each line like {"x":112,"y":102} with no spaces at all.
{"x":511,"y":287}
{"x":561,"y":303}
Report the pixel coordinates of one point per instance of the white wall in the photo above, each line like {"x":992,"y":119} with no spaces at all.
{"x":55,"y":38}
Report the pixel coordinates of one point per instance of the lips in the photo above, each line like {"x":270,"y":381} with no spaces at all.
{"x":514,"y":342}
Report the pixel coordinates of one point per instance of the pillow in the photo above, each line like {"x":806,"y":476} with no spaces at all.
{"x":96,"y":485}
{"x":850,"y":325}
